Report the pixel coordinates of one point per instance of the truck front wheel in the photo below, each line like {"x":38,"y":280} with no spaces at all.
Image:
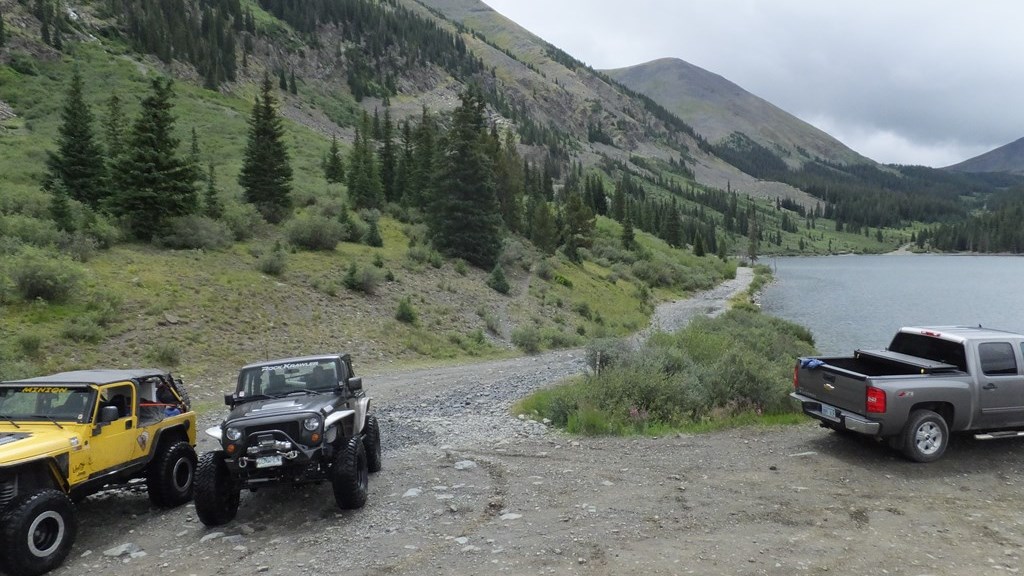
{"x":217,"y":494}
{"x":36,"y":532}
{"x":925,"y":436}
{"x":170,"y":475}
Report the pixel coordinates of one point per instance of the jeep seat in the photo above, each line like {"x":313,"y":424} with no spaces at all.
{"x":277,"y":385}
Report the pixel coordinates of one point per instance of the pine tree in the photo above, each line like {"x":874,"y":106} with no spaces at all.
{"x":213,"y":207}
{"x":364,"y":189}
{"x":115,"y":129}
{"x":463,"y":217}
{"x":334,"y":168}
{"x":292,"y":88}
{"x":508,"y":170}
{"x":754,"y":240}
{"x":3,"y":30}
{"x":579,"y":226}
{"x":373,"y":237}
{"x":152,"y":181}
{"x":282,"y":80}
{"x":388,"y":160}
{"x":194,"y":154}
{"x":78,"y":162}
{"x":266,"y":173}
{"x":543,"y":230}
{"x":425,"y":160}
{"x":60,"y":207}
{"x":628,"y":236}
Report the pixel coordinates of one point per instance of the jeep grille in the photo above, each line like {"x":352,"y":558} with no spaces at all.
{"x":290,"y":428}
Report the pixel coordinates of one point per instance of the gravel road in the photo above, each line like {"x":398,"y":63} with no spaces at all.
{"x":468,"y":489}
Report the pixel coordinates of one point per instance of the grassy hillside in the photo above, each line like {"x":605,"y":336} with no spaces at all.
{"x":204,"y":312}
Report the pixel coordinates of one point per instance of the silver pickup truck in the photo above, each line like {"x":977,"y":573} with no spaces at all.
{"x":929,"y":382}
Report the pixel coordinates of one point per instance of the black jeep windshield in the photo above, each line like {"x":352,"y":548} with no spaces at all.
{"x":45,"y":402}
{"x":285,"y":378}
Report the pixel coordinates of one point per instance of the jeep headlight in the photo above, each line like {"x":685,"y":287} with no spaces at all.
{"x":232,"y":434}
{"x":312,"y":423}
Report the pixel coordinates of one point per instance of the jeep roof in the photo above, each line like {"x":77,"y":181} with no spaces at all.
{"x":97,"y":376}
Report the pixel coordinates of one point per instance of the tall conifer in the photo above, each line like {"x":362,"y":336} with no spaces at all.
{"x":266,"y":173}
{"x":78,"y":162}
{"x":463,"y":216}
{"x":153,"y":181}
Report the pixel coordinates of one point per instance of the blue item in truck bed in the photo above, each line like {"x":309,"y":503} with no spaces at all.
{"x":810,"y":363}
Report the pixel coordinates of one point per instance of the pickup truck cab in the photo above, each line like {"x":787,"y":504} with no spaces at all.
{"x":929,"y":382}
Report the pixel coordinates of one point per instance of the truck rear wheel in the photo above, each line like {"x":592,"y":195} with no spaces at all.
{"x":925,"y":436}
{"x":36,"y":532}
{"x":350,"y":476}
{"x":371,"y":444}
{"x":171,"y":474}
{"x":217,"y":495}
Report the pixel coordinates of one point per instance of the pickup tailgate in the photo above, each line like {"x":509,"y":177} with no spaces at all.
{"x":832,"y":385}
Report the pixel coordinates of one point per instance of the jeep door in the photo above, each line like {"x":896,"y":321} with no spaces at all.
{"x":114,"y":443}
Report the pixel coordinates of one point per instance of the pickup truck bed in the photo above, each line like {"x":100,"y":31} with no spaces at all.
{"x":928,"y":383}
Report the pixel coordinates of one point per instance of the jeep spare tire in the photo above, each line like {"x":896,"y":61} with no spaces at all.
{"x":36,"y":532}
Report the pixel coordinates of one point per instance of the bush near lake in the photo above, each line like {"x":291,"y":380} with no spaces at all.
{"x":717,"y":368}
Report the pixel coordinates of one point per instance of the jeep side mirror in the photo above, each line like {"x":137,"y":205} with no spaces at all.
{"x":355,"y":383}
{"x":229,"y":399}
{"x":109,"y":414}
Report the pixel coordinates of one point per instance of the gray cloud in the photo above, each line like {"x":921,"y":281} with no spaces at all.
{"x":928,"y":82}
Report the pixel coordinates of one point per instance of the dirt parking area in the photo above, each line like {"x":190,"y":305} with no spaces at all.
{"x":794,"y":500}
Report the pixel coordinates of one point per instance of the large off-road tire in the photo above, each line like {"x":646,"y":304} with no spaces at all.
{"x":216,"y":493}
{"x":371,"y":444}
{"x":350,"y":475}
{"x":37,"y":530}
{"x":925,"y":436}
{"x":171,"y":474}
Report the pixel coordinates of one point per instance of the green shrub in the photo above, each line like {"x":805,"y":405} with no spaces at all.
{"x":605,"y":353}
{"x":83,"y":328}
{"x":103,"y":230}
{"x":243,"y":219}
{"x":273,"y":263}
{"x":406,"y":313}
{"x":30,"y":344}
{"x":436,"y":260}
{"x":497,"y":280}
{"x":527,"y":339}
{"x":460,"y":267}
{"x":544,"y":270}
{"x":23,"y":64}
{"x":79,"y":246}
{"x":194,"y":232}
{"x":165,"y":354}
{"x":35,"y":231}
{"x":104,"y":308}
{"x":372,"y":237}
{"x":312,"y":232}
{"x":53,"y":279}
{"x":365,"y":280}
{"x":589,"y":421}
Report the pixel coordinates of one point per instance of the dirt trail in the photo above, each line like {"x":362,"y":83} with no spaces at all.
{"x":466,"y":489}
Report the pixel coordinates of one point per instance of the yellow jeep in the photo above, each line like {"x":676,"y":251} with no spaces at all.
{"x":68,"y":435}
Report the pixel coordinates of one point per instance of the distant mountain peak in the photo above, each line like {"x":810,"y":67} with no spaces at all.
{"x":718,"y":108}
{"x":1008,"y":158}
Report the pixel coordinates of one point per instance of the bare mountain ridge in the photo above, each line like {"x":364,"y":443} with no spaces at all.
{"x":717,"y":108}
{"x":1008,"y":158}
{"x":571,"y":98}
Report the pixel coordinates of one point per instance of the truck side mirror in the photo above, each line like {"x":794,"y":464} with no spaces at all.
{"x":109,"y":414}
{"x":355,"y":383}
{"x":229,"y":400}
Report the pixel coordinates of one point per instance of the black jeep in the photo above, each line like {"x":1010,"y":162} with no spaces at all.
{"x":295,"y":420}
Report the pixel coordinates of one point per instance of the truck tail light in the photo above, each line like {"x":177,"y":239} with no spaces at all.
{"x":875,"y":400}
{"x":796,"y":370}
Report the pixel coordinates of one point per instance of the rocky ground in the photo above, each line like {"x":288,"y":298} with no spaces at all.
{"x":469,"y":489}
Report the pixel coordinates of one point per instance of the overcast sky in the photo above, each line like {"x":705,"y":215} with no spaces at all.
{"x":929,"y":82}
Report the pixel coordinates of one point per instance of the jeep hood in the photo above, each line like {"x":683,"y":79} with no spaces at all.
{"x":274,"y":406}
{"x":34,"y":441}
